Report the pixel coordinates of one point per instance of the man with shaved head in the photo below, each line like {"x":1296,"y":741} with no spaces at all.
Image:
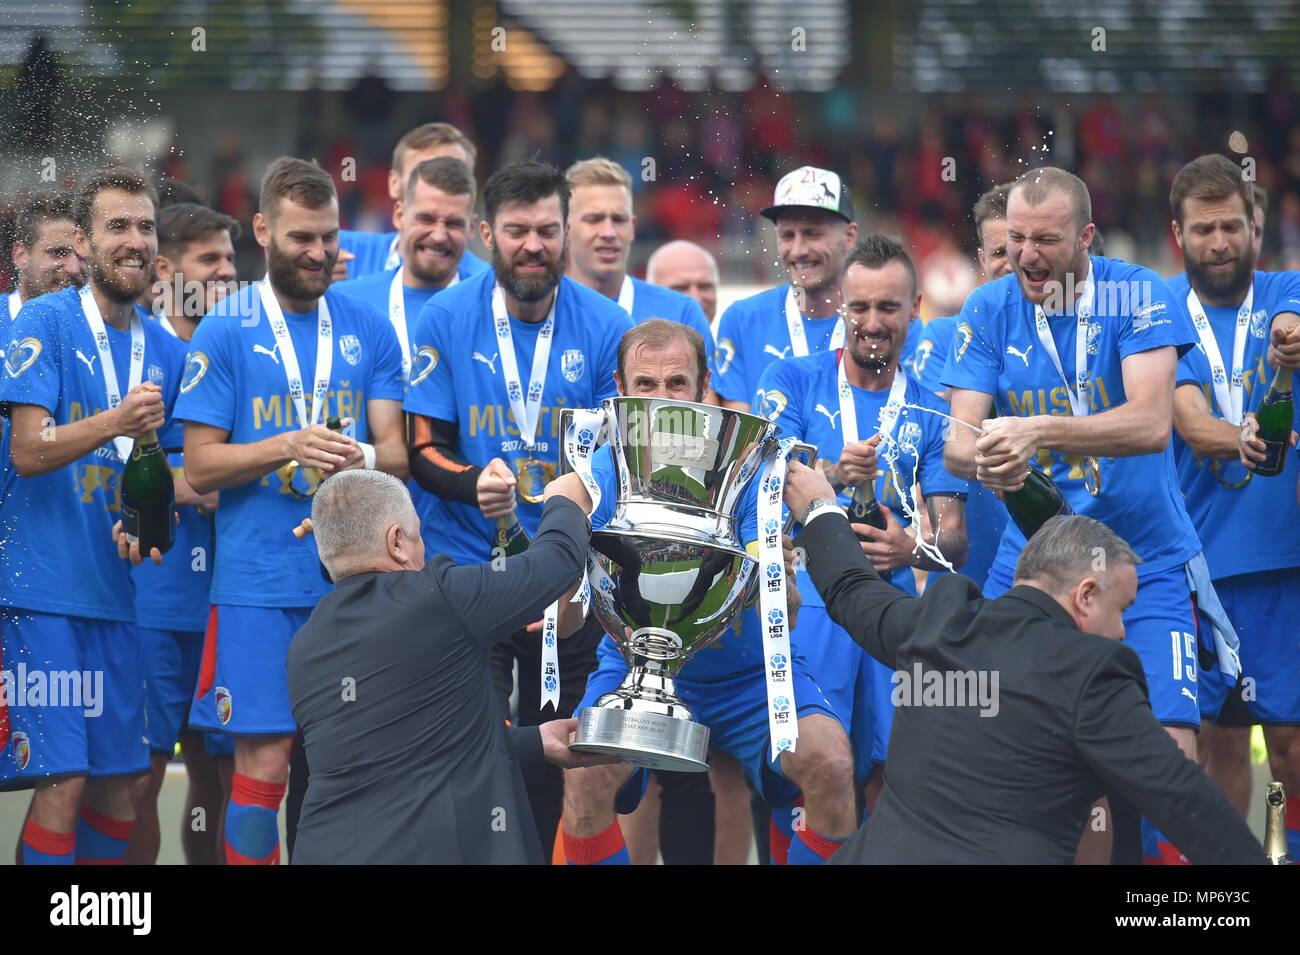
{"x":687,"y":268}
{"x":1078,"y":354}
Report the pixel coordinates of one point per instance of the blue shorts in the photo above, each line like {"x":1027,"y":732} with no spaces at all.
{"x":171,"y":662}
{"x":1163,"y":629}
{"x":1264,"y":608}
{"x":734,"y":710}
{"x":218,"y":745}
{"x":73,"y":700}
{"x":243,"y":687}
{"x":850,"y":681}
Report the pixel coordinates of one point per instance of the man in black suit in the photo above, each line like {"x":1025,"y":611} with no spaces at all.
{"x":410,"y":760}
{"x":1013,"y":715}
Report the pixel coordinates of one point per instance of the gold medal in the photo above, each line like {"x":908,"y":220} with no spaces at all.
{"x":1092,"y":475}
{"x":1217,"y":468}
{"x":534,"y":475}
{"x":302,"y":482}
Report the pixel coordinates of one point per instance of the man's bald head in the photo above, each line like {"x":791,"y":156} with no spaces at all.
{"x":687,"y":268}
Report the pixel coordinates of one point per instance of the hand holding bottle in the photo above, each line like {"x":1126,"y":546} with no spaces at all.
{"x":1003,"y":451}
{"x":496,"y":489}
{"x":857,"y":463}
{"x":140,"y":412}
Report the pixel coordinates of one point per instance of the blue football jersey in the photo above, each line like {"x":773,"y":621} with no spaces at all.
{"x":457,"y":376}
{"x":377,"y":252}
{"x":932,"y":347}
{"x":234,"y":380}
{"x":802,"y":396}
{"x":653,"y":301}
{"x":752,"y":334}
{"x":56,"y":550}
{"x":996,"y":350}
{"x":1224,"y":516}
{"x":986,"y":516}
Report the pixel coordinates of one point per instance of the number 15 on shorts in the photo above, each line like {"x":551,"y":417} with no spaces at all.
{"x":1184,"y":647}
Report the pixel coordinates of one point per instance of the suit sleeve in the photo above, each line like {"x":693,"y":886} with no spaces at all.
{"x":526,"y":742}
{"x":876,"y":615}
{"x":495,"y":599}
{"x":1118,"y":736}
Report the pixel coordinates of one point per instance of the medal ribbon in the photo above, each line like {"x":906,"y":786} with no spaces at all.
{"x":95,"y":319}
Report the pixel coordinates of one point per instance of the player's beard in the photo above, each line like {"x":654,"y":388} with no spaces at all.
{"x":429,"y":275}
{"x":529,"y":288}
{"x":867,"y":358}
{"x":55,"y":280}
{"x":287,"y":278}
{"x":1222,"y":286}
{"x":116,"y":286}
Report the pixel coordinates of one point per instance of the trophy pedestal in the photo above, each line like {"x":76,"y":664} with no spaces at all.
{"x":647,"y":739}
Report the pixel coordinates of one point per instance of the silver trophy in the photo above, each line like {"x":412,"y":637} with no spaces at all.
{"x":669,"y":573}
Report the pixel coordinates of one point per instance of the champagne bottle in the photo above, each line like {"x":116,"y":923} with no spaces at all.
{"x":1036,"y":503}
{"x":1275,"y":844}
{"x":149,"y":496}
{"x":1275,"y":416}
{"x":865,"y":509}
{"x":313,"y":476}
{"x":511,"y":536}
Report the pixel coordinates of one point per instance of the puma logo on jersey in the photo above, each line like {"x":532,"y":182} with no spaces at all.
{"x":771,"y":350}
{"x":272,"y":352}
{"x":478,"y":356}
{"x":1189,"y":694}
{"x":89,"y":362}
{"x":1022,"y":355}
{"x":829,"y":417}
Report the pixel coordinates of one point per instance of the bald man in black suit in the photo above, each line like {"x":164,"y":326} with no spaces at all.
{"x":1041,"y":708}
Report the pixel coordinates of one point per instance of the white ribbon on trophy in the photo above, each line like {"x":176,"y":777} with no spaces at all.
{"x":584,"y":433}
{"x":782,"y":710}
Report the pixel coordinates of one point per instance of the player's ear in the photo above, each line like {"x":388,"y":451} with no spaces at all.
{"x":162,"y":267}
{"x":1085,"y":237}
{"x":19,"y":255}
{"x":81,"y":242}
{"x":1178,"y":232}
{"x":262,"y":229}
{"x":398,"y":208}
{"x":485,"y":232}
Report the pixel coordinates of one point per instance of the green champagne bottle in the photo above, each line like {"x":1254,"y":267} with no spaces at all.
{"x":511,"y":536}
{"x":1036,"y":503}
{"x":865,"y":509}
{"x":149,"y":496}
{"x":1275,"y":416}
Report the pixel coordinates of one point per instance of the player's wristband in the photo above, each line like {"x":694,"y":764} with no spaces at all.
{"x":368,"y":450}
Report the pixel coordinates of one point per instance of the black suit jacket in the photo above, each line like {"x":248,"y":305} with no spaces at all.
{"x":1072,"y":722}
{"x":389,"y":682}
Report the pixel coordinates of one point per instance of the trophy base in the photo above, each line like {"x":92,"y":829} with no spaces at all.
{"x":646,"y":739}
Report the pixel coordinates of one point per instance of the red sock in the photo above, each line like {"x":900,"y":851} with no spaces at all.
{"x":604,"y":848}
{"x":40,"y":846}
{"x":252,"y":825}
{"x":101,"y":839}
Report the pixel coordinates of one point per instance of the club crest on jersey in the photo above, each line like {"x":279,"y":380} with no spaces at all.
{"x":572,"y":364}
{"x":155,"y":374}
{"x":965,"y":333}
{"x":21,"y":355}
{"x":1259,"y":323}
{"x":723,"y":355}
{"x":426,"y":360}
{"x":909,"y":433}
{"x":196,"y":366}
{"x":1094,"y":337}
{"x":350,"y":348}
{"x":22,"y":750}
{"x":771,"y":404}
{"x":922,"y":356}
{"x":222,"y":697}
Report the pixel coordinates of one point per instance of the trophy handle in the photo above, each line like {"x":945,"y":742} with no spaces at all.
{"x":562,"y":460}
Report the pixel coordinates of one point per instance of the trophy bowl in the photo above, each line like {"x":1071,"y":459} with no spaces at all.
{"x":669,"y":573}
